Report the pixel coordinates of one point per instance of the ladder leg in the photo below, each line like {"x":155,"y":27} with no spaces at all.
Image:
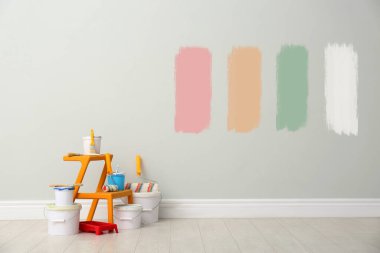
{"x":102,"y":179}
{"x":80,"y":176}
{"x":130,"y":199}
{"x":110,"y":209}
{"x":91,"y":213}
{"x":94,"y":203}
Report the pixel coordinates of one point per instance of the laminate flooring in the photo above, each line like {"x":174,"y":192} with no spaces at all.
{"x":284,"y":235}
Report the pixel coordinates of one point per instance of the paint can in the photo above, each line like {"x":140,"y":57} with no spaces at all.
{"x":63,"y":220}
{"x":150,"y":202}
{"x":116,"y":178}
{"x":87,"y":142}
{"x":64,"y":195}
{"x":128,"y":216}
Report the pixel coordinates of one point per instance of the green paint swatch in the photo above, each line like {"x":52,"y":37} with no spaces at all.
{"x":291,"y":87}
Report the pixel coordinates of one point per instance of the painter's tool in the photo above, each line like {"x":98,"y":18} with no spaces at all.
{"x":64,"y":185}
{"x":78,"y":154}
{"x":116,"y":178}
{"x":110,"y":188}
{"x":108,"y":163}
{"x":97,"y":227}
{"x":139,"y":169}
{"x":138,"y":165}
{"x":92,"y":143}
{"x":73,"y":154}
{"x":142,"y":187}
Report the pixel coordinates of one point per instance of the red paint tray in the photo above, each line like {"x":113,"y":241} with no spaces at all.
{"x":97,"y":227}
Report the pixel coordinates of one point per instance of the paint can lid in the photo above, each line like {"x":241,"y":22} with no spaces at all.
{"x":74,"y":206}
{"x":117,"y":172}
{"x":64,"y":188}
{"x":128,"y":207}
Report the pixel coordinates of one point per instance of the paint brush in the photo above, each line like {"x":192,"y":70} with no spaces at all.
{"x":92,"y":143}
{"x":73,"y":154}
{"x":64,"y":185}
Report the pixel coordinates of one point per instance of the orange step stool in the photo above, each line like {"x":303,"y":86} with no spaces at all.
{"x":99,"y":194}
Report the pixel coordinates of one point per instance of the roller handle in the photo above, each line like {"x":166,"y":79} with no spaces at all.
{"x":138,"y":165}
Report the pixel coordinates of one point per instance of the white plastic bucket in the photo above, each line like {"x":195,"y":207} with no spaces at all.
{"x":87,"y":142}
{"x":63,"y":220}
{"x":63,"y":196}
{"x":150,"y":202}
{"x":128,"y":216}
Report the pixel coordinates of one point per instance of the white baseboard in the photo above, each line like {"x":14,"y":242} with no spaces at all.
{"x":252,"y":208}
{"x":218,"y":208}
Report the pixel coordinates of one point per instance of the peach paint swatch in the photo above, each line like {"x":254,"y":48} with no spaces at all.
{"x":193,"y":89}
{"x":244,"y":89}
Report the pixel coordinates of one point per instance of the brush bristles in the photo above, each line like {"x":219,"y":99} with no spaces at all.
{"x":92,"y":150}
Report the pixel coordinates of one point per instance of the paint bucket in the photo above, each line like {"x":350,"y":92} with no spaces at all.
{"x":118,"y":179}
{"x":87,"y":142}
{"x":64,"y":195}
{"x":63,"y":220}
{"x":150,"y":202}
{"x":128,"y":216}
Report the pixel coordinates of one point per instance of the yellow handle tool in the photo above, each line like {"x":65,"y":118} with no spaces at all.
{"x":108,"y":163}
{"x":138,"y":165}
{"x":92,"y":143}
{"x":92,"y":138}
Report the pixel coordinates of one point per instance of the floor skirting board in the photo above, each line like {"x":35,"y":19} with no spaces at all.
{"x":217,"y":208}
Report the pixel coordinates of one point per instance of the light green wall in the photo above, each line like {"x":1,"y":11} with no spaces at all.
{"x":68,"y":66}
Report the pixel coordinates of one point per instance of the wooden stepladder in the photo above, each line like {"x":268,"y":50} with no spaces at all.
{"x":99,"y":194}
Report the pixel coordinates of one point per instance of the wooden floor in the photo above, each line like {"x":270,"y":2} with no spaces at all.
{"x":323,"y":235}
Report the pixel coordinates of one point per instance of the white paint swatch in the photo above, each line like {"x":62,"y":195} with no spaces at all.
{"x":341,"y":88}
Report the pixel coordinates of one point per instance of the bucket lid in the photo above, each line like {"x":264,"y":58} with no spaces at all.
{"x":147,"y":194}
{"x":118,"y":174}
{"x":72,"y":207}
{"x":89,"y":137}
{"x":63,"y":188}
{"x":129,"y":207}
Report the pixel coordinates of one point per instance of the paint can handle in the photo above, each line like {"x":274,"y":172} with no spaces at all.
{"x":58,"y":220}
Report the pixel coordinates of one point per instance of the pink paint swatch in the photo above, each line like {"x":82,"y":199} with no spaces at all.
{"x":193,"y":89}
